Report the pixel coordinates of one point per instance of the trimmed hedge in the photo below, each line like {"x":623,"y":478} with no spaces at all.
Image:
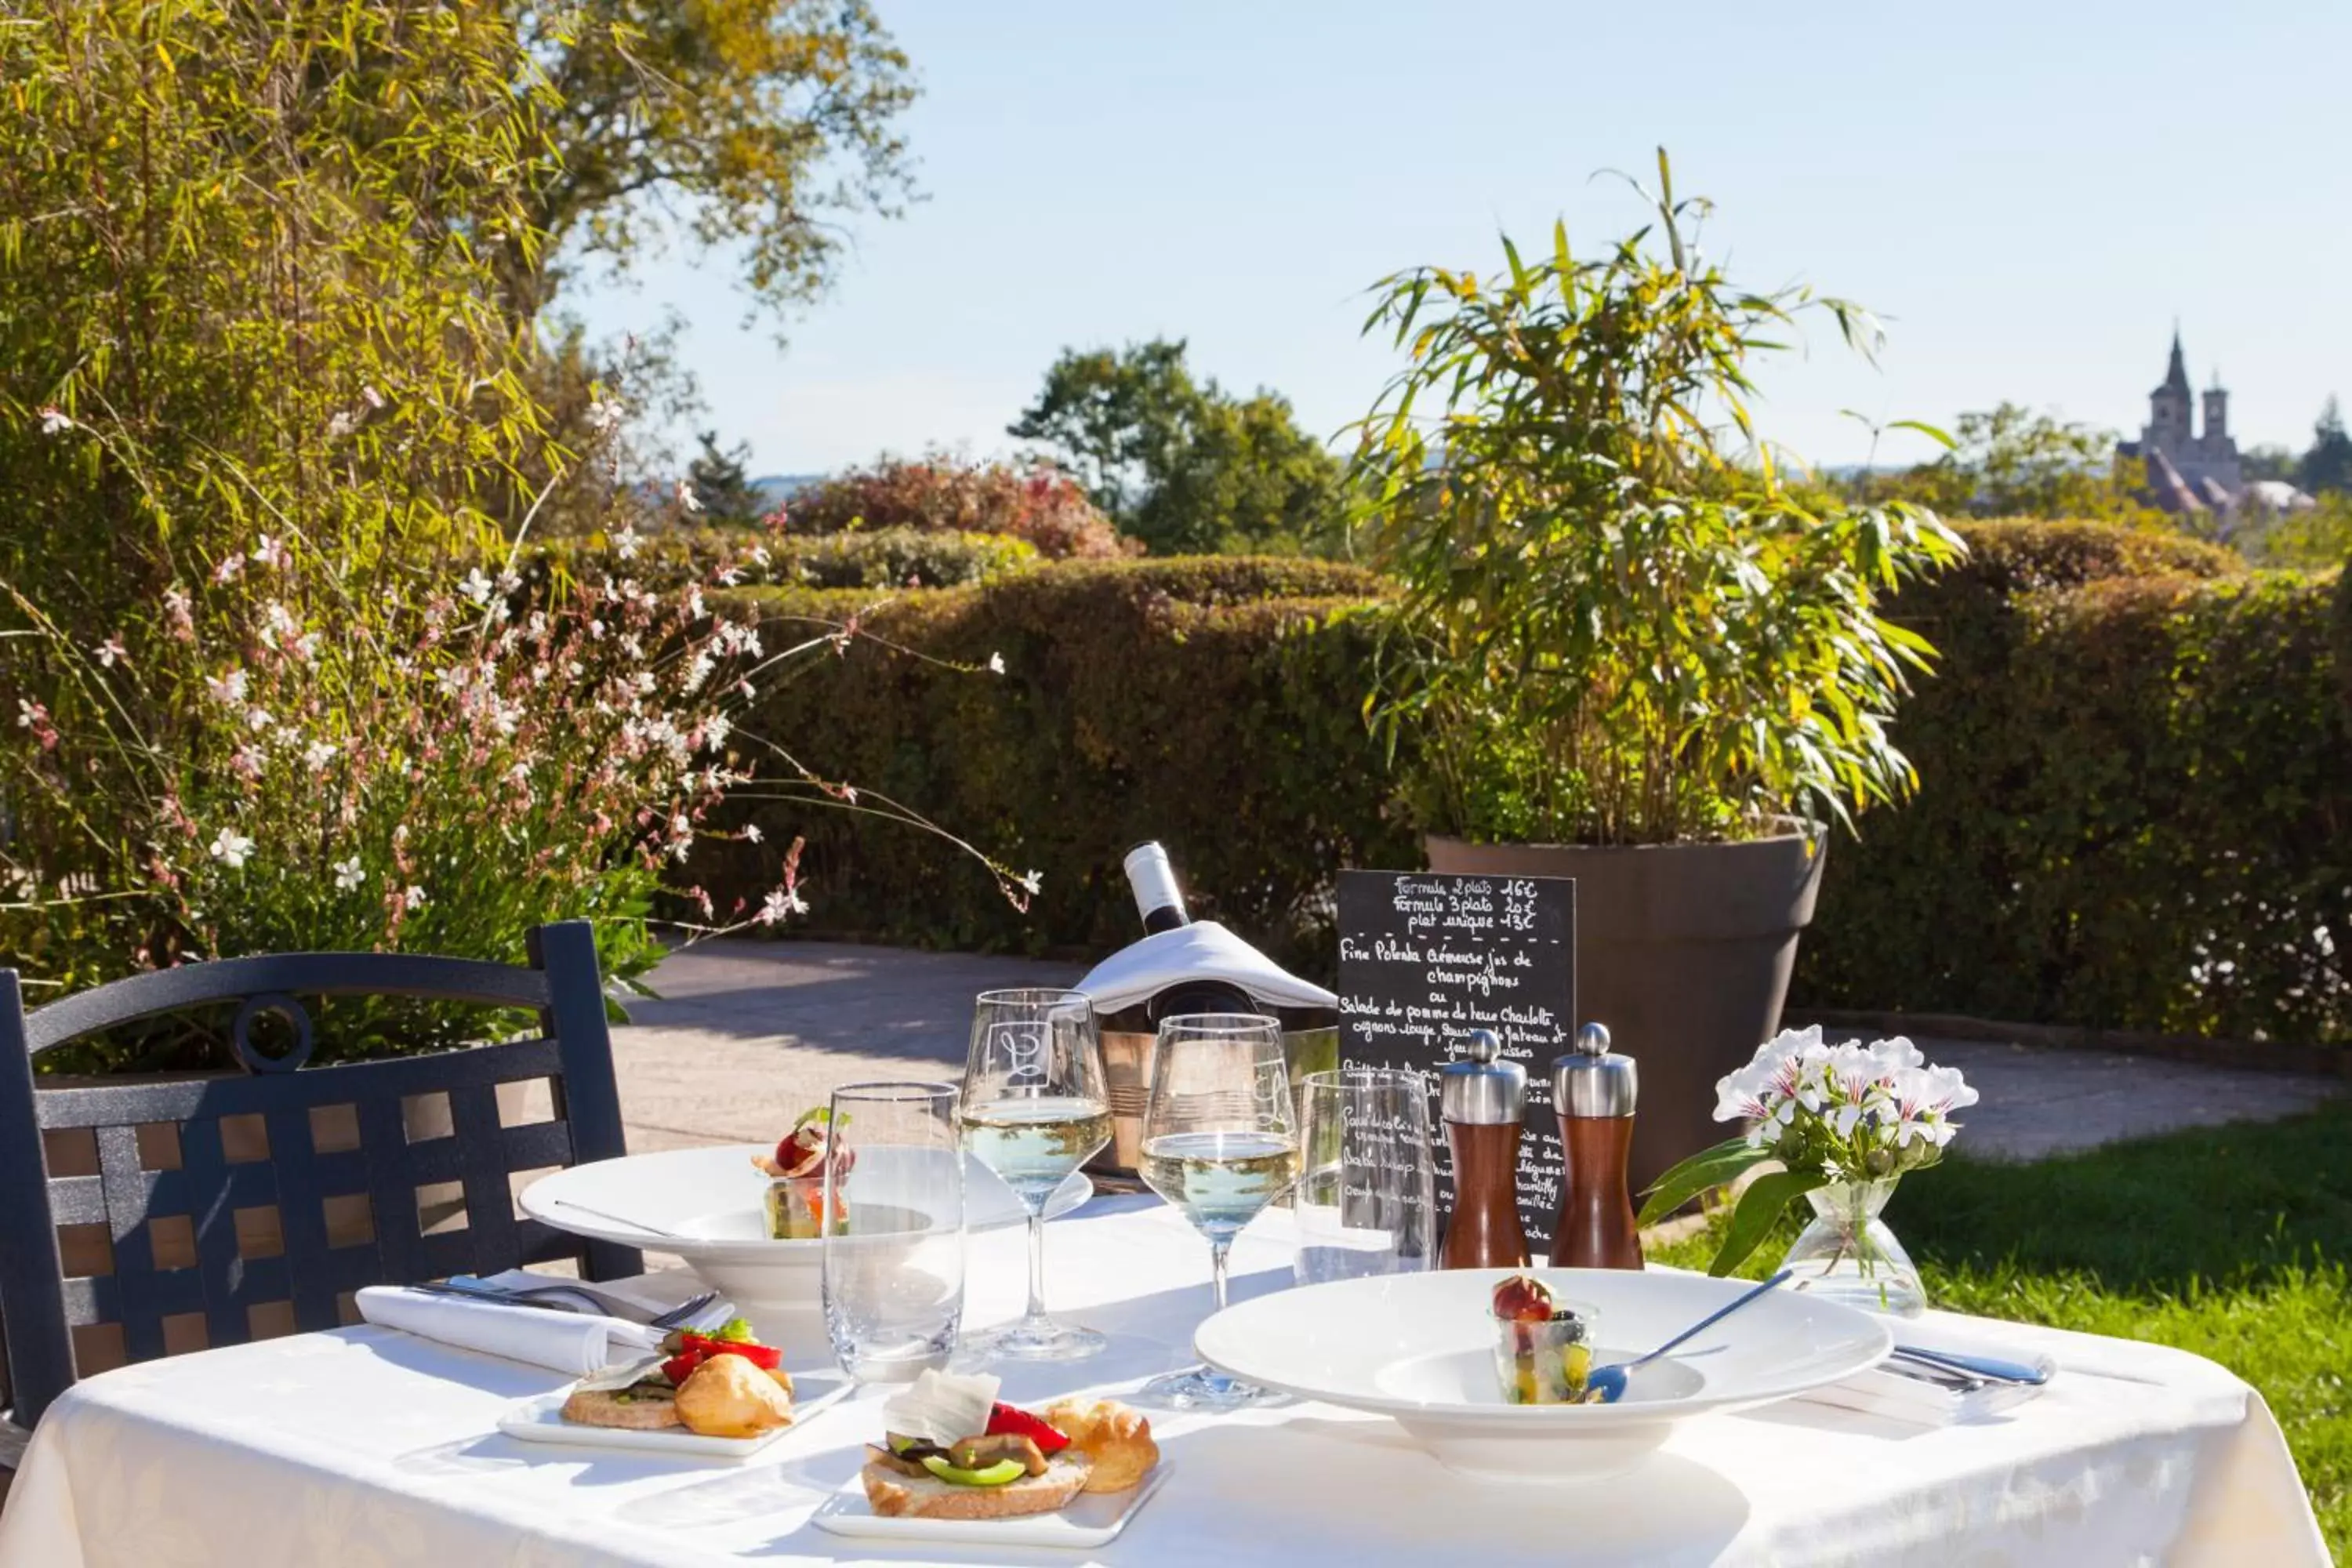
{"x":1214,"y":703}
{"x":2136,"y":804}
{"x":2135,"y":812}
{"x":857,"y":558}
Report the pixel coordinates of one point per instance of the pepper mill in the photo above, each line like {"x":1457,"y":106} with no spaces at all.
{"x":1592,"y":1090}
{"x":1484,"y":1098}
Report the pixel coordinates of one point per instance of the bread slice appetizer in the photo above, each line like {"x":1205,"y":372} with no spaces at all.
{"x":894,"y":1493}
{"x":723,"y":1385}
{"x":1007,"y":1463}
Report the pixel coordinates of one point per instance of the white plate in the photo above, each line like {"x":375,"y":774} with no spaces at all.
{"x":1090,"y":1522}
{"x":1418,"y":1348}
{"x":714,"y":1202}
{"x":541,"y":1420}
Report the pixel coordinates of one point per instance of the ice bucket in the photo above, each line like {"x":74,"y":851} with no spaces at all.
{"x":1128,"y":988}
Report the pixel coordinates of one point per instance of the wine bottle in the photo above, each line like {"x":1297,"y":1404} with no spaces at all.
{"x":1160,"y":902}
{"x":1156,"y":897}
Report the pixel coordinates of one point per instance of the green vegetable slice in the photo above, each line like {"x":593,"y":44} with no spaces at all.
{"x":996,"y":1475}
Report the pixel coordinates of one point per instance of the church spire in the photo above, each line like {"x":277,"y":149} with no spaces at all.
{"x":2176,"y":375}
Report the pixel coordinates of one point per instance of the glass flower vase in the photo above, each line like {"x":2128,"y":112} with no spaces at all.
{"x":1848,"y":1255}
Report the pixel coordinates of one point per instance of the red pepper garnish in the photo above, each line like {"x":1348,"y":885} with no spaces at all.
{"x":702,"y":1347}
{"x":1012,"y":1421}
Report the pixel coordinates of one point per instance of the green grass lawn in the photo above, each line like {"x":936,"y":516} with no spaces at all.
{"x":2230,"y":1242}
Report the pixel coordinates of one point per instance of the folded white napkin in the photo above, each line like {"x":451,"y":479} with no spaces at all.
{"x":573,"y":1342}
{"x":1891,"y":1391}
{"x":1203,"y":949}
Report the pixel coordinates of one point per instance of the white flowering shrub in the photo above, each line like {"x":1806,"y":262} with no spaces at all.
{"x":261,"y":384}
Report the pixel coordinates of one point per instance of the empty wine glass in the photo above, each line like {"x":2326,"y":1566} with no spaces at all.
{"x":1035,"y":1109}
{"x":893,"y":1258}
{"x":1219,"y":1142}
{"x":1367,"y":1197}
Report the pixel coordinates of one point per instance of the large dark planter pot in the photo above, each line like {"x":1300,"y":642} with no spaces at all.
{"x":1683,"y":950}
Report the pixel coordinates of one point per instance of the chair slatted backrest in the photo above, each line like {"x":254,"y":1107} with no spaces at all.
{"x":142,"y":1218}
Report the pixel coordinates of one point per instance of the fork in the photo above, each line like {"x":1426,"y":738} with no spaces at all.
{"x":684,"y":1312}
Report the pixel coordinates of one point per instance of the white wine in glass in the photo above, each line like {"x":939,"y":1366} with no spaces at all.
{"x":1035,"y":1109}
{"x":1220,"y":1144}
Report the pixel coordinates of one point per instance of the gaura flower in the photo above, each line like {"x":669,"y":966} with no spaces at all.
{"x":782,"y":902}
{"x":348,"y":874}
{"x":996,"y":664}
{"x":55,"y":421}
{"x":687,"y":499}
{"x":111,"y":652}
{"x":413,"y":898}
{"x":475,"y":586}
{"x":225,"y":689}
{"x":232,"y":849}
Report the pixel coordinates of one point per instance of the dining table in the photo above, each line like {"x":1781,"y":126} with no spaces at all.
{"x":366,"y":1446}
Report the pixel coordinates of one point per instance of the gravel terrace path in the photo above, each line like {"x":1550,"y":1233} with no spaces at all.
{"x":748,"y":1033}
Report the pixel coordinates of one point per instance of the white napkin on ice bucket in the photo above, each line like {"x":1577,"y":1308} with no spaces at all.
{"x":1202,"y":951}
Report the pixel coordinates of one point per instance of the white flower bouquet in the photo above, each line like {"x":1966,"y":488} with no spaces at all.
{"x":1842,"y":1115}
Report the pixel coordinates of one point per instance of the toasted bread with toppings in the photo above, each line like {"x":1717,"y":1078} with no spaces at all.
{"x":640,"y":1409}
{"x":894,"y":1494}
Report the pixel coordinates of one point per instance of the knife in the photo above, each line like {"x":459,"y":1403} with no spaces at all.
{"x":1993,"y":1368}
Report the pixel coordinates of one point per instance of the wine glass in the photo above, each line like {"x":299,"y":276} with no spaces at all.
{"x":1219,"y":1142}
{"x":1367,"y":1198}
{"x":893,"y":1263}
{"x":1035,"y":1109}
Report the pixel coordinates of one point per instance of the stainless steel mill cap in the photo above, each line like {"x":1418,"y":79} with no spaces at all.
{"x":1481,"y":1085}
{"x":1592,"y":1079}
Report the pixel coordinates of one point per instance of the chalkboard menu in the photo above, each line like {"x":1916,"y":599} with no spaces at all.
{"x":1424,"y":959}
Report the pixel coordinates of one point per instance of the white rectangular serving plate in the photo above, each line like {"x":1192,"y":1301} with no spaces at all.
{"x":541,"y":1420}
{"x":1089,"y":1521}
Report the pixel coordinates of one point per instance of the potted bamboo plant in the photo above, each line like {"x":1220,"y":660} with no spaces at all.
{"x":1628,"y":649}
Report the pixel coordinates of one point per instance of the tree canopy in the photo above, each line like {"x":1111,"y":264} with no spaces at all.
{"x":759,"y":126}
{"x":2011,"y":461}
{"x":723,"y":491}
{"x":1179,"y":463}
{"x":2328,"y":465}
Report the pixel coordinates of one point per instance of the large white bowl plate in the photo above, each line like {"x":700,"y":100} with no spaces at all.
{"x":714,"y":1202}
{"x":1420,"y":1348}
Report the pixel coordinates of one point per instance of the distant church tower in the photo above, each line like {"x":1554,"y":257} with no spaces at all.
{"x":2187,"y":471}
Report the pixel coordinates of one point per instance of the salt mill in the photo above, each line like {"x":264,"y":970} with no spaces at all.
{"x":1484,"y":1098}
{"x":1592,"y":1091}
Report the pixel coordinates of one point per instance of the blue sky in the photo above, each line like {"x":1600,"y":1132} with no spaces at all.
{"x":2029,"y":194}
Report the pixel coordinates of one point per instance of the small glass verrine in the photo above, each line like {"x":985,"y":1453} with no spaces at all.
{"x":1543,"y":1345}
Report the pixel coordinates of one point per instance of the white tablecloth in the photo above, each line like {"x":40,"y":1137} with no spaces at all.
{"x":367,"y":1448}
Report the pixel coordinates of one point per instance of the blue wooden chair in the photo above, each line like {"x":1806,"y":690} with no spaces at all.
{"x":327,"y":1147}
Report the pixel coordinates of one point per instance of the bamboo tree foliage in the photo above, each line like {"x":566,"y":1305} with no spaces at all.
{"x":255,"y":379}
{"x":1619,"y":624}
{"x":245,"y":263}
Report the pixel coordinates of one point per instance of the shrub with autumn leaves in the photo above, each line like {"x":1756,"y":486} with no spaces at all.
{"x":1034,"y":502}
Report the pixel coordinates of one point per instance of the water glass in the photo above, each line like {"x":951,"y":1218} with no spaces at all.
{"x":1219,"y":1142}
{"x":894,"y":1265}
{"x":1035,"y":1109}
{"x":1366,"y":1196}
